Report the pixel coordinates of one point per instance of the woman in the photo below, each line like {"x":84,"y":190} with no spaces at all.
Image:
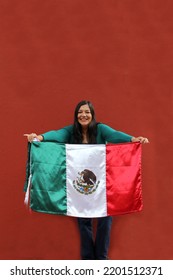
{"x":86,"y":130}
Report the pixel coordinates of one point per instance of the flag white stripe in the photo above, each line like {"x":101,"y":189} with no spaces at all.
{"x":93,"y":158}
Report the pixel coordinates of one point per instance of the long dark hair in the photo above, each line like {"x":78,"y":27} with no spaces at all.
{"x":92,"y":128}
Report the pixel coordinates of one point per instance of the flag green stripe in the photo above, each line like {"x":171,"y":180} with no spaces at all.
{"x":48,"y":169}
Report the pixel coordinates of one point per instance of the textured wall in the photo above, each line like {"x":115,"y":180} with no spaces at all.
{"x":116,"y":53}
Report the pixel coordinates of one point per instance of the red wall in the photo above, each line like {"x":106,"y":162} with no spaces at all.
{"x":116,"y":53}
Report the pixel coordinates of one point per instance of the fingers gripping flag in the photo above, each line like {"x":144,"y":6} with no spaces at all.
{"x":84,"y":180}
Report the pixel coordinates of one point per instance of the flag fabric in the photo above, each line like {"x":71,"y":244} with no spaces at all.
{"x":84,"y":180}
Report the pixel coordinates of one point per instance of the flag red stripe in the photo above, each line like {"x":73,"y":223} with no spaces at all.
{"x":123,"y":178}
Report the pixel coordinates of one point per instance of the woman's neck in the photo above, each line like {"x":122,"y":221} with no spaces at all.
{"x":85,"y":135}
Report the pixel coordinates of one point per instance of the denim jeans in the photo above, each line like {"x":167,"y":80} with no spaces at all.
{"x":95,"y":249}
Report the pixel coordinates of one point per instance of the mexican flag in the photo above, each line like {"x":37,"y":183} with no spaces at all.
{"x":84,"y":180}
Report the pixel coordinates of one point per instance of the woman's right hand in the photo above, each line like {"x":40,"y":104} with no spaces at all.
{"x":33,"y":136}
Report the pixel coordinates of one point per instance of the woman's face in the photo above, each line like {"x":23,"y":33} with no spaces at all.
{"x":84,"y":116}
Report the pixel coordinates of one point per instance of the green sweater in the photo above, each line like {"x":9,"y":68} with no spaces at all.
{"x":105,"y":134}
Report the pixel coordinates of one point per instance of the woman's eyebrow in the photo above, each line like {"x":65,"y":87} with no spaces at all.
{"x":84,"y":111}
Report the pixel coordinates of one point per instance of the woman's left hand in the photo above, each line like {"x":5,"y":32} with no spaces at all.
{"x":142,"y":140}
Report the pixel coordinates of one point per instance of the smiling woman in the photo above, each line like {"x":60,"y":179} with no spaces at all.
{"x":85,"y":125}
{"x":85,"y":130}
{"x":84,"y":119}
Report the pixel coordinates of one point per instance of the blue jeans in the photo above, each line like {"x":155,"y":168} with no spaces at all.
{"x":95,"y":249}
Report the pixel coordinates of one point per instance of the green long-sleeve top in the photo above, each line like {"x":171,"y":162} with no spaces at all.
{"x":105,"y":134}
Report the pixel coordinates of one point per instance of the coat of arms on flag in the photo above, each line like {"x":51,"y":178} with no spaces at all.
{"x":84,"y":180}
{"x":86,"y":183}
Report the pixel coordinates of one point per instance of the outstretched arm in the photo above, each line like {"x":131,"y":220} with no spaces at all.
{"x":62,"y":135}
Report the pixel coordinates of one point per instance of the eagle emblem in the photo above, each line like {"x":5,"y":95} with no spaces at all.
{"x":86,"y":183}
